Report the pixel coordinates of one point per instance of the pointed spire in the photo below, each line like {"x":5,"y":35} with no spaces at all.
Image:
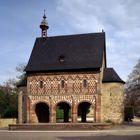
{"x":44,"y":26}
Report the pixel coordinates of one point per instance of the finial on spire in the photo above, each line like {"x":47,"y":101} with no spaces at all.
{"x":44,"y":14}
{"x":44,"y":26}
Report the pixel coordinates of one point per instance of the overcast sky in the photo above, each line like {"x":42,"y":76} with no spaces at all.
{"x":20,"y":20}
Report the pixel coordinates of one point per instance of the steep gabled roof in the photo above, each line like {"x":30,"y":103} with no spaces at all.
{"x":110,"y":75}
{"x":83,"y":51}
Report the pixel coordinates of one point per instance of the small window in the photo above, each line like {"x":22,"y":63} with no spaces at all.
{"x":61,"y":58}
{"x":62,"y":84}
{"x":84,"y":83}
{"x":41,"y":84}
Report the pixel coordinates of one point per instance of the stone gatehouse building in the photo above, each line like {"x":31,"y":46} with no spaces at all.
{"x":67,"y":80}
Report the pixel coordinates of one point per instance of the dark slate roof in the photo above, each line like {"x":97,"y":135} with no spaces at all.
{"x":22,"y":82}
{"x":83,"y":51}
{"x":110,"y":75}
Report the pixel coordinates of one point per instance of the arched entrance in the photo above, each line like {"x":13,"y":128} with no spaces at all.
{"x":85,"y":112}
{"x":63,"y":112}
{"x":42,"y":112}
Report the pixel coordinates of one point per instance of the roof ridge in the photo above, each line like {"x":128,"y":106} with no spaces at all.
{"x":109,"y":68}
{"x":70,"y":35}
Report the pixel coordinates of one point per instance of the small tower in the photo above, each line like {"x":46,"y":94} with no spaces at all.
{"x":44,"y":26}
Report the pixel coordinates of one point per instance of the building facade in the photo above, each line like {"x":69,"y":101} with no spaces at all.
{"x":67,"y":80}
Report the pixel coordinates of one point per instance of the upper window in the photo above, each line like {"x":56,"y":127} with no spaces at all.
{"x":84,"y":83}
{"x":62,"y":84}
{"x":41,"y":84}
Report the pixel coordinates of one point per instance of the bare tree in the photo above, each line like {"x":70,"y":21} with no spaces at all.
{"x":20,"y":69}
{"x":132,"y":89}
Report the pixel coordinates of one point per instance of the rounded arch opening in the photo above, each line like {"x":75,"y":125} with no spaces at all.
{"x":85,"y":112}
{"x":63,"y":112}
{"x":42,"y":112}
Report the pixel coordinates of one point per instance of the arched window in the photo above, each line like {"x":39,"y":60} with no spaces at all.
{"x":85,"y":83}
{"x":62,"y":84}
{"x":41,"y":84}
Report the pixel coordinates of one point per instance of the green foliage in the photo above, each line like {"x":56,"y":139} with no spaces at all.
{"x":8,"y":95}
{"x":8,"y":104}
{"x":128,"y":113}
{"x":108,"y":121}
{"x":59,"y":113}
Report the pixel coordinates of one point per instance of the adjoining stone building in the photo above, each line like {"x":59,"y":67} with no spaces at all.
{"x":67,"y":80}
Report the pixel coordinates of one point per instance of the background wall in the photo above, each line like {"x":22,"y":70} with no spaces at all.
{"x":6,"y":122}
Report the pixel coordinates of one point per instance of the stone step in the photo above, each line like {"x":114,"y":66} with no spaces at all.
{"x":61,"y":126}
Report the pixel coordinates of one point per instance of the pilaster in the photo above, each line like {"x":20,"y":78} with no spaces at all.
{"x":20,"y":119}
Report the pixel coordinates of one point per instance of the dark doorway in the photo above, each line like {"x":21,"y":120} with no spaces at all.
{"x":84,"y":109}
{"x":63,"y":112}
{"x":42,"y":112}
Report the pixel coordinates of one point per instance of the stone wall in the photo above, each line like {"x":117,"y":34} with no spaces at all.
{"x":22,"y":93}
{"x":6,"y":122}
{"x":51,"y":92}
{"x":112,"y":102}
{"x":108,"y":100}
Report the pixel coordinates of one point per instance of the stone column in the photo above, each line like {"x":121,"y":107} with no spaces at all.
{"x":28,"y":108}
{"x":94,"y":109}
{"x":52,"y":111}
{"x":33,"y":117}
{"x":74,"y":112}
{"x":20,"y":107}
{"x":53,"y":114}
